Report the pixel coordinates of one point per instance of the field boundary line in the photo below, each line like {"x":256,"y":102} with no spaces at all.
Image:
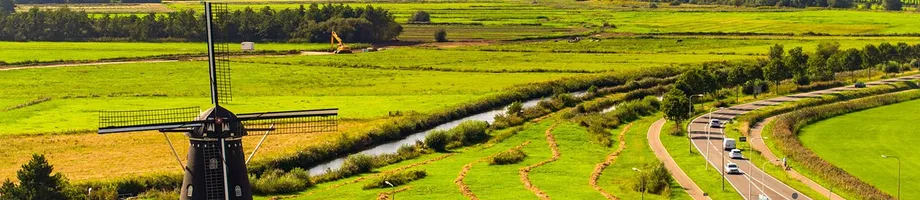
{"x":612,"y":157}
{"x":386,"y":195}
{"x":465,"y":189}
{"x":524,"y":172}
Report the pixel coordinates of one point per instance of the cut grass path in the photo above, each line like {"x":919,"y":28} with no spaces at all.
{"x":599,"y":169}
{"x":525,"y":171}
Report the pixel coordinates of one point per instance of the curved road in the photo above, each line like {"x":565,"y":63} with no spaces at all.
{"x":708,"y":141}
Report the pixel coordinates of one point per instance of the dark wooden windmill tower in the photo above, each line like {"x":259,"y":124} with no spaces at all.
{"x":216,"y":167}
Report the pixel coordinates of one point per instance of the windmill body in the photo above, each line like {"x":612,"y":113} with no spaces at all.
{"x":216,"y":162}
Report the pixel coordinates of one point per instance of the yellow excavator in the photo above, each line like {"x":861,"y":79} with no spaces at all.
{"x":342,"y":47}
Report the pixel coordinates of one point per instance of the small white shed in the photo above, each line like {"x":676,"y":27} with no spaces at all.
{"x":248,"y":46}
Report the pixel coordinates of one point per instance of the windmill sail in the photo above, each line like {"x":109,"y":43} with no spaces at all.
{"x":218,"y":54}
{"x":144,"y":120}
{"x":292,"y":122}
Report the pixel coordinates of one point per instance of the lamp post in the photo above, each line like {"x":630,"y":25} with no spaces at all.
{"x":899,"y":172}
{"x":763,"y":174}
{"x":709,"y":137}
{"x":641,"y":181}
{"x":690,"y":115}
{"x":722,"y":131}
{"x":751,"y":166}
{"x":393,"y":187}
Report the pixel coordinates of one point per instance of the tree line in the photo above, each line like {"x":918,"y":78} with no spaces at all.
{"x":796,"y":65}
{"x":314,"y":24}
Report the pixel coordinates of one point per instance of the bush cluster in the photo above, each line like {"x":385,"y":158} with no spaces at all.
{"x":599,"y":123}
{"x":466,"y":133}
{"x":512,"y":156}
{"x":653,"y":179}
{"x":786,"y":133}
{"x":395,"y":178}
{"x":280,"y":182}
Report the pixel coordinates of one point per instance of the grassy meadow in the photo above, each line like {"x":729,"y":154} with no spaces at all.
{"x":856,"y":141}
{"x":81,"y":51}
{"x":566,"y":178}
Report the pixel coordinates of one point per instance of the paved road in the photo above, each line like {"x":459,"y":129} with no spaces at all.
{"x":749,"y":184}
{"x":654,"y":141}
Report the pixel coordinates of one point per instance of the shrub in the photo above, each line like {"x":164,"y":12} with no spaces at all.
{"x":654,"y":179}
{"x":279,"y":182}
{"x":675,"y":3}
{"x":467,"y":133}
{"x":653,"y":5}
{"x":892,"y":5}
{"x":395,"y":178}
{"x":437,"y":140}
{"x":155,"y":194}
{"x":440,"y":35}
{"x":420,"y":17}
{"x":357,"y":163}
{"x":512,"y":156}
{"x":515,"y":108}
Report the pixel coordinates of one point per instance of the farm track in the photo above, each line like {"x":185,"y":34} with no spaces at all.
{"x":465,"y":189}
{"x":386,"y":195}
{"x":599,"y":168}
{"x":525,"y":171}
{"x":391,"y":171}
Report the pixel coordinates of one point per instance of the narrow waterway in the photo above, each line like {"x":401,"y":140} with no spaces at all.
{"x":392,"y":147}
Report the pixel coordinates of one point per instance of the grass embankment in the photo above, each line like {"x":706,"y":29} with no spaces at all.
{"x":854,"y":142}
{"x":12,"y":52}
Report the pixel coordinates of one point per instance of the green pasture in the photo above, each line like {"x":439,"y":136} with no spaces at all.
{"x":78,"y":92}
{"x":81,"y":51}
{"x":836,"y":22}
{"x":567,"y":178}
{"x":856,"y":141}
{"x":446,"y":59}
{"x":730,"y":45}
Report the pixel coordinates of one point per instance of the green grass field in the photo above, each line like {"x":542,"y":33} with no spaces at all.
{"x":359,"y":93}
{"x":856,"y":141}
{"x":567,"y":178}
{"x":52,"y":51}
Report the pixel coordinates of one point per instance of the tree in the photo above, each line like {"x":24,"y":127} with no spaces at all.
{"x":849,"y":60}
{"x":697,"y":81}
{"x":440,"y":35}
{"x":840,"y":3}
{"x":818,"y":69}
{"x":420,"y":17}
{"x":7,"y":7}
{"x":776,"y":52}
{"x":826,"y":49}
{"x":894,"y":5}
{"x":890,"y":67}
{"x":888,"y":52}
{"x":775,"y":71}
{"x":35,"y":182}
{"x":871,"y":56}
{"x":796,"y":63}
{"x":676,"y":106}
{"x":737,"y":76}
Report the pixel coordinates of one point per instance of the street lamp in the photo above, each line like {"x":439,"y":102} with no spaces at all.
{"x":763,"y":167}
{"x":708,"y":137}
{"x":690,"y":115}
{"x":641,"y":181}
{"x":899,"y":172}
{"x":393,"y":187}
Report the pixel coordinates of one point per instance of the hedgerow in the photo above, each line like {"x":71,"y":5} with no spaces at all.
{"x":395,"y":178}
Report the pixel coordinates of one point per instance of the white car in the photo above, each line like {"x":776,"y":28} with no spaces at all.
{"x":732,"y":168}
{"x":762,"y":197}
{"x":715,"y":123}
{"x":735,"y":154}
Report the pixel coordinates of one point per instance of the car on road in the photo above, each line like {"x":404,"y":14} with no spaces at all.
{"x":715,"y":123}
{"x":735,"y":154}
{"x":728,"y":144}
{"x":732,"y":168}
{"x":860,"y":85}
{"x":762,"y":197}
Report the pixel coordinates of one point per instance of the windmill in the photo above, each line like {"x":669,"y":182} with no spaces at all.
{"x":216,"y":168}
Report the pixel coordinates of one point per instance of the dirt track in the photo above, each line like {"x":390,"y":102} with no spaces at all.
{"x":525,"y":171}
{"x":612,"y":157}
